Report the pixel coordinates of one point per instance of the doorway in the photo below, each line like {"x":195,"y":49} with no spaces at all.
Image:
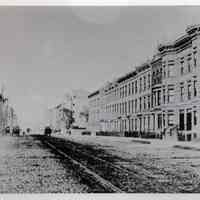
{"x":181,"y":120}
{"x":189,"y":121}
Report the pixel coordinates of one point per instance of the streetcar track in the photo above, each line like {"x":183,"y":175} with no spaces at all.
{"x":126,"y":179}
{"x":119,"y":175}
{"x":105,"y":183}
{"x":118,"y":166}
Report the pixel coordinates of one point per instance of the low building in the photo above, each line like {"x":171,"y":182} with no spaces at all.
{"x":60,"y":118}
{"x":80,"y":108}
{"x":8,"y":117}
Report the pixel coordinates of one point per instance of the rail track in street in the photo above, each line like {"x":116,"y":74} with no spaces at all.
{"x":110,"y":176}
{"x":108,"y":186}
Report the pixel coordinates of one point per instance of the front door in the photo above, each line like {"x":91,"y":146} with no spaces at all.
{"x":189,"y":121}
{"x":181,"y":121}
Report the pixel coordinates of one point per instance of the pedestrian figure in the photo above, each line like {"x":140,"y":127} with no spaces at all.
{"x":28,"y":130}
{"x":7,"y":130}
{"x":47,"y":131}
{"x":16,"y":131}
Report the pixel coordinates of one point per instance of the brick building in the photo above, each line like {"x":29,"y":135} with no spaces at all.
{"x":160,"y":97}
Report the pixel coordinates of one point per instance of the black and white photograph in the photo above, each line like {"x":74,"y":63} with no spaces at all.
{"x":99,"y":99}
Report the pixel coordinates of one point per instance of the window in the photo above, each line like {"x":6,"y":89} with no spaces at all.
{"x":154,"y":99}
{"x":169,"y":72}
{"x":135,"y":124}
{"x":129,"y":89}
{"x":182,"y":92}
{"x":189,"y":66}
{"x":157,"y":76}
{"x":132,"y":87}
{"x":125,"y":125}
{"x":195,"y":61}
{"x":140,"y":85}
{"x":149,"y":81}
{"x":164,"y":96}
{"x":144,"y":103}
{"x":148,"y":122}
{"x":170,"y":94}
{"x":132,"y":124}
{"x":125,"y":91}
{"x":195,"y":117}
{"x":160,"y":76}
{"x":195,"y":58}
{"x":170,"y":65}
{"x":144,"y":83}
{"x":159,"y":121}
{"x":132,"y":106}
{"x":164,"y":71}
{"x":154,"y":78}
{"x":195,"y":88}
{"x":136,"y":87}
{"x":170,"y":119}
{"x":189,"y":91}
{"x":140,"y":104}
{"x":189,"y":120}
{"x":135,"y":105}
{"x":163,"y":120}
{"x":129,"y":106}
{"x":159,"y":97}
{"x":182,"y":67}
{"x":149,"y":102}
{"x":181,"y":120}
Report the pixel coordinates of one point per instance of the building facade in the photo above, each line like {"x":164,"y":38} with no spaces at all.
{"x":71,"y":113}
{"x":59,"y":118}
{"x":160,"y":97}
{"x":8,"y":117}
{"x":80,"y":108}
{"x":94,"y":123}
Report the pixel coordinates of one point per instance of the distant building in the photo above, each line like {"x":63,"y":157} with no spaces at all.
{"x":95,"y":122}
{"x":80,"y":108}
{"x":73,"y":111}
{"x":8,"y":117}
{"x":60,"y":118}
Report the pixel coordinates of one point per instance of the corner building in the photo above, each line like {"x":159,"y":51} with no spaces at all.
{"x":160,"y":98}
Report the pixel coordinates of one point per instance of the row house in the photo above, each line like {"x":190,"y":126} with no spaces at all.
{"x":94,"y":111}
{"x":161,"y":96}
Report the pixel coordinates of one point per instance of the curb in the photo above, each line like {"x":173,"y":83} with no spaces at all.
{"x":141,"y":141}
{"x":186,"y":147}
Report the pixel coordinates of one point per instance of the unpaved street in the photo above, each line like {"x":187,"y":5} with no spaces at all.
{"x":26,"y":167}
{"x":172,"y":169}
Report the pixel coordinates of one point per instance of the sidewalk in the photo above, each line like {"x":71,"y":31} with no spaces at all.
{"x":128,"y":141}
{"x":131,"y":141}
{"x":188,"y":145}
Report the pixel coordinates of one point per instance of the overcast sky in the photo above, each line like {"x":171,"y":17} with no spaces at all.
{"x":47,"y":51}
